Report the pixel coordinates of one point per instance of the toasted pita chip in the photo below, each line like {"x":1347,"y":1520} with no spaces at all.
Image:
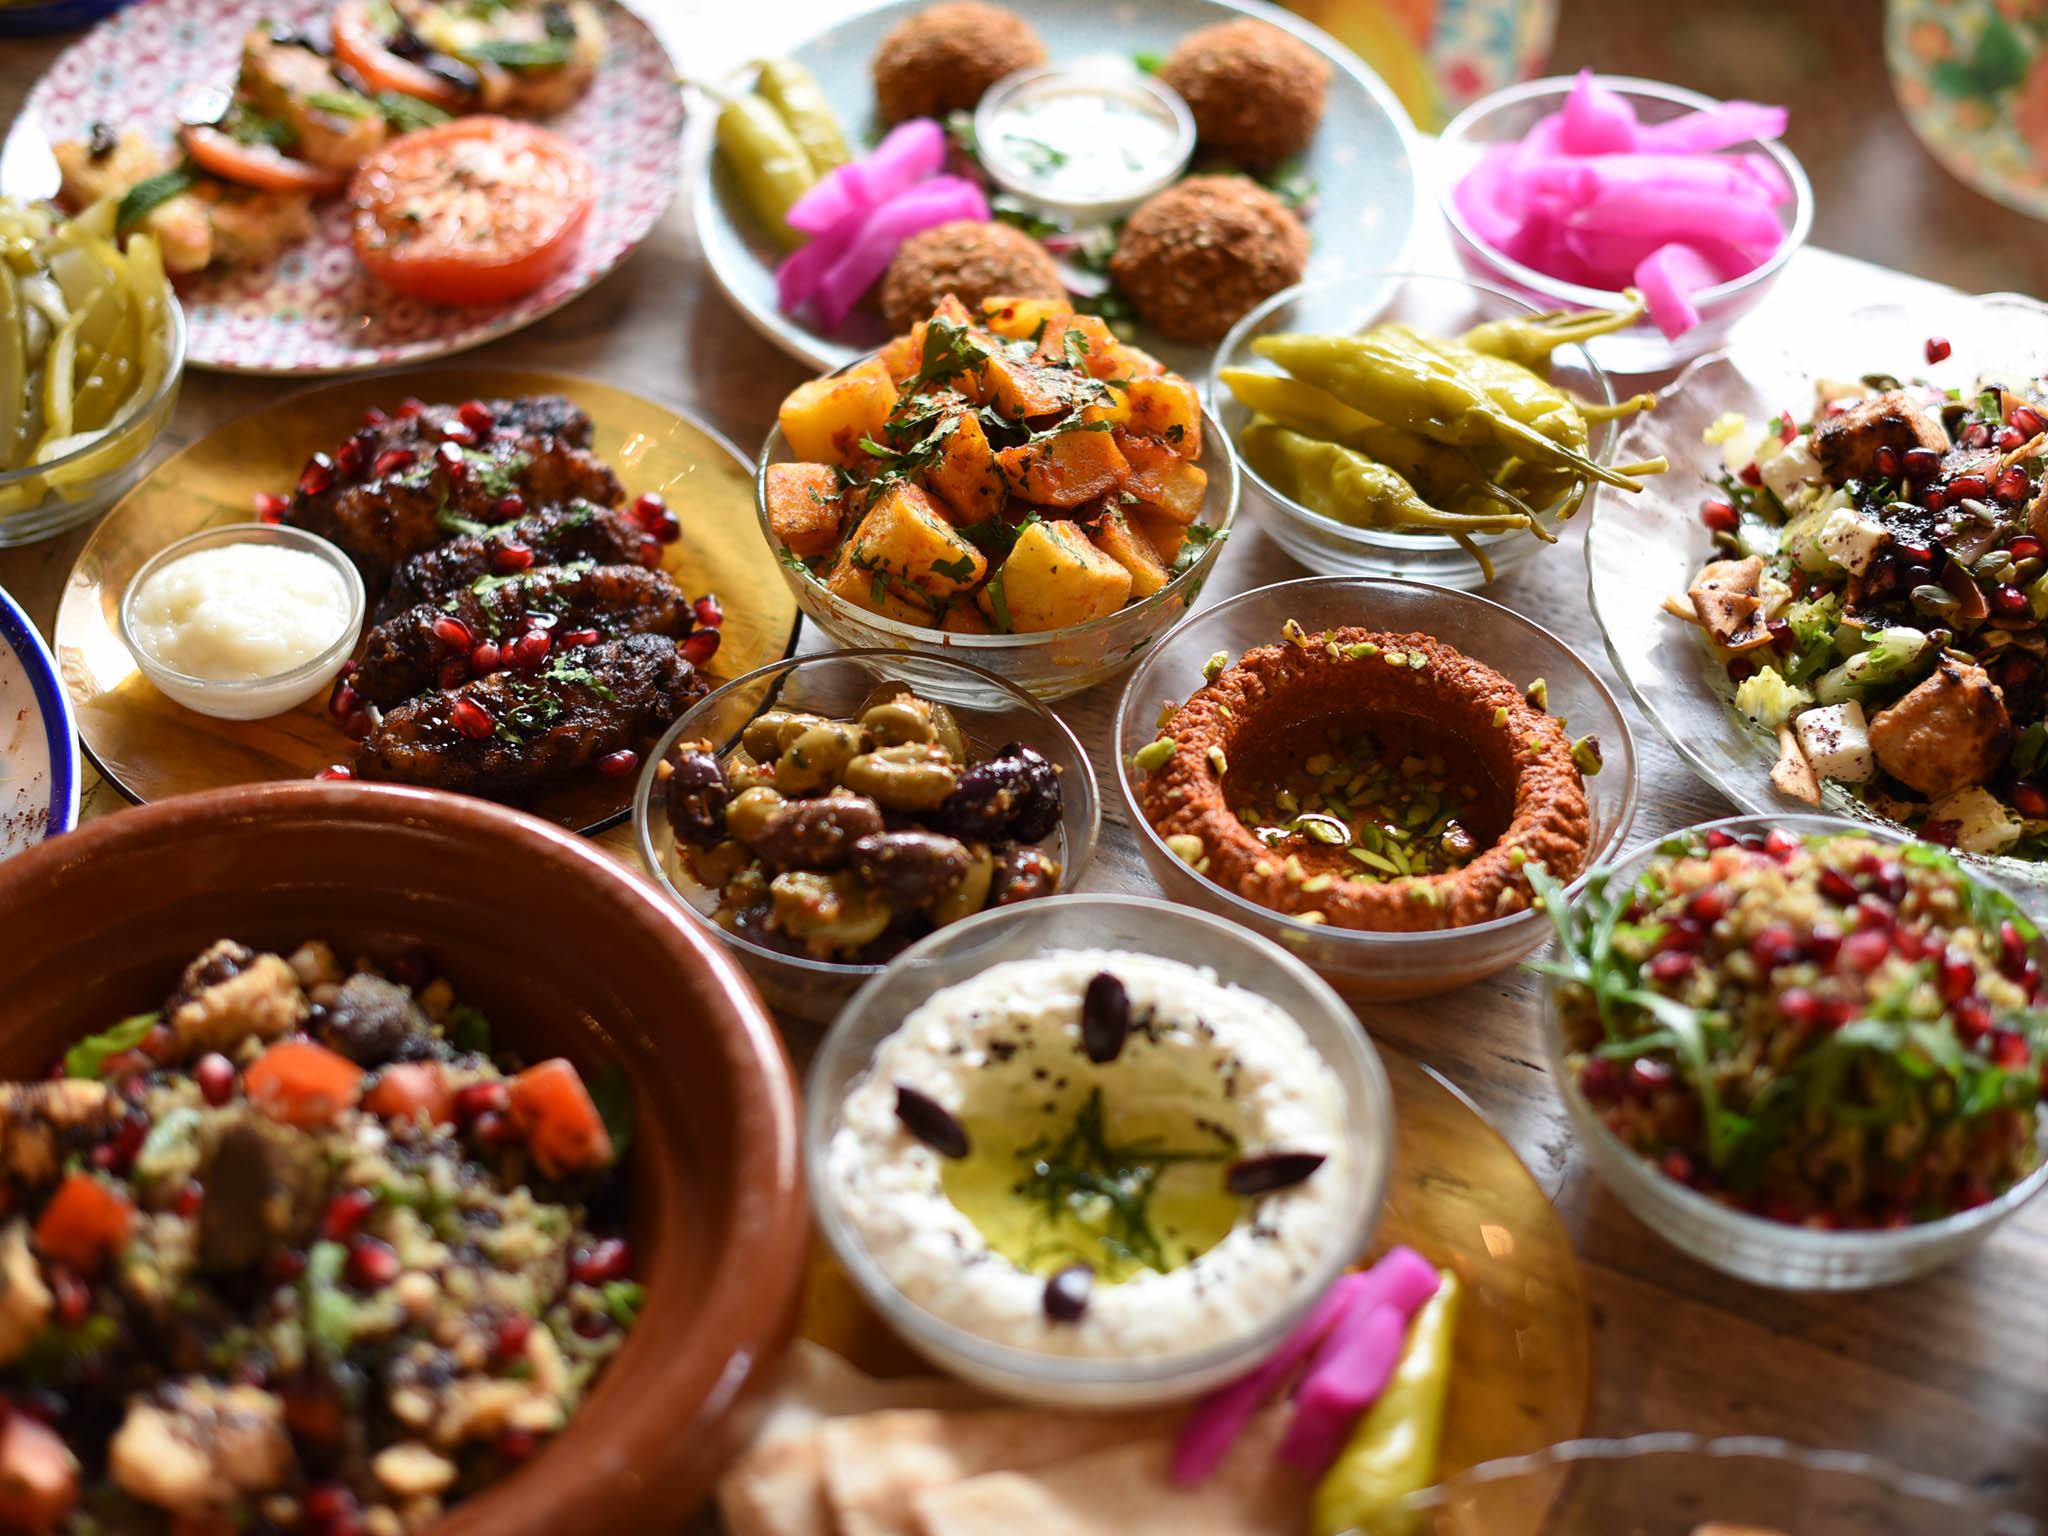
{"x":1792,"y":773}
{"x":1126,"y":1491}
{"x":873,"y":1464}
{"x":1724,"y":595}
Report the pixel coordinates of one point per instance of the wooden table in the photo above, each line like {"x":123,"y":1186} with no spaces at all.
{"x":1948,"y":1375}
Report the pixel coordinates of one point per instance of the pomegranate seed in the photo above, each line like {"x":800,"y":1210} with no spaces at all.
{"x":1890,"y":876}
{"x":1837,"y":887}
{"x":494,"y":1129}
{"x":1937,"y":348}
{"x":2025,"y":420}
{"x":329,"y":1502}
{"x":1920,"y":464}
{"x":271,"y":507}
{"x":1799,"y":1005}
{"x":189,"y":1198}
{"x":508,"y":1340}
{"x":1888,"y":461}
{"x":616,"y":765}
{"x":484,"y":658}
{"x":1780,"y":845}
{"x":476,"y":416}
{"x":459,"y":434}
{"x":510,"y":508}
{"x":335,"y":773}
{"x":345,"y":1213}
{"x":348,"y":458}
{"x":1600,"y":1080}
{"x":317,"y":476}
{"x":1837,"y":1011}
{"x":1720,"y":839}
{"x":650,"y":551}
{"x":160,"y":1044}
{"x":1749,"y":474}
{"x":602,"y":1261}
{"x":1971,"y":1193}
{"x":1875,"y":914}
{"x":449,"y":457}
{"x":1970,"y":487}
{"x":454,"y":672}
{"x":371,"y":1263}
{"x":1685,"y":934}
{"x":1972,"y":1015}
{"x":358,"y":725}
{"x":2009,"y":1049}
{"x":1677,"y":1166}
{"x":663,"y":526}
{"x":215,"y":1075}
{"x":1823,"y":943}
{"x":591,"y":1325}
{"x":648,"y":507}
{"x":1958,"y":976}
{"x":73,"y":1297}
{"x":1783,"y":641}
{"x":1708,"y":905}
{"x":507,"y":559}
{"x":284,"y":1266}
{"x":2012,"y":950}
{"x":1740,"y":669}
{"x":701,"y":646}
{"x":471,"y":718}
{"x":375,"y":417}
{"x":1909,"y":943}
{"x":576,"y":637}
{"x":453,"y":633}
{"x":1777,"y":945}
{"x":709,"y":610}
{"x":2030,"y":799}
{"x":477,"y":1099}
{"x":517,"y":1444}
{"x":2030,"y":978}
{"x":410,"y":407}
{"x":2005,"y":439}
{"x":1866,"y":950}
{"x":530,"y":649}
{"x":392,"y":460}
{"x":1648,"y":1075}
{"x":2012,"y":486}
{"x":1934,"y":498}
{"x":1977,"y":435}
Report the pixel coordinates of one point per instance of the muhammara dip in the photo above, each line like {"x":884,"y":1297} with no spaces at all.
{"x":1126,"y":1166}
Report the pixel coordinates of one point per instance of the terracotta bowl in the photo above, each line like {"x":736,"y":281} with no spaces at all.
{"x":568,"y":954}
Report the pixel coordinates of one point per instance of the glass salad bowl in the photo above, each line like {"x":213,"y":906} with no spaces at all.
{"x":1364,"y":963}
{"x":990,"y":712}
{"x":1640,"y":554}
{"x":1506,"y":116}
{"x":1764,"y":1252}
{"x":1443,"y":306}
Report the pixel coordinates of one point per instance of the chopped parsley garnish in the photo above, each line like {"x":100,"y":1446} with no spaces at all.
{"x":406,"y":113}
{"x":1195,"y":544}
{"x":150,"y":194}
{"x":342,"y":103}
{"x":519,"y":53}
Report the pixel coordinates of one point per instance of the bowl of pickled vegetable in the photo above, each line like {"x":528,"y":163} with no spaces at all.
{"x":1807,"y":1052}
{"x":92,"y":350}
{"x":1396,"y":424}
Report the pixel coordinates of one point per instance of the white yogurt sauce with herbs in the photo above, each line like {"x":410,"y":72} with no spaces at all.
{"x":238,"y":613}
{"x":1083,"y":140}
{"x":1122,"y":1166}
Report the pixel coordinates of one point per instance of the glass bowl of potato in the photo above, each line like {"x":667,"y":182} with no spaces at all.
{"x":1019,"y":490}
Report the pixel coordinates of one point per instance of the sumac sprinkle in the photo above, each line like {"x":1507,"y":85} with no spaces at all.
{"x":1067,"y":1292}
{"x":1273,"y":1170}
{"x":1105,"y":1018}
{"x":931,"y":1122}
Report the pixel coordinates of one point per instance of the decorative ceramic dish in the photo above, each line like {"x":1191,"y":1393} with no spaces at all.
{"x":38,"y":740}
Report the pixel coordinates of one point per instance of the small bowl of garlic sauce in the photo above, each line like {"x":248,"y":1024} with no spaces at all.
{"x":1083,"y":143}
{"x":243,"y":621}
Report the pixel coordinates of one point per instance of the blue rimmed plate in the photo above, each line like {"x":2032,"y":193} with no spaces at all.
{"x":38,"y":738}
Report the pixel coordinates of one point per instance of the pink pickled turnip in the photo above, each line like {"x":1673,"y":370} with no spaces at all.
{"x":799,"y":273}
{"x":1484,"y":196}
{"x":1718,"y":127}
{"x":1597,"y":121}
{"x":1668,"y":278}
{"x":1612,"y":257}
{"x":1729,"y":216}
{"x":1368,"y":1344}
{"x":941,"y":200}
{"x":910,"y":153}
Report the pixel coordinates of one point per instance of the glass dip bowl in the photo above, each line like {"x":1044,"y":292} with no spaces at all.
{"x":990,"y":712}
{"x":1366,"y":963}
{"x":254,"y":698}
{"x":1121,"y":923}
{"x":1778,"y":1254}
{"x":1083,"y":143}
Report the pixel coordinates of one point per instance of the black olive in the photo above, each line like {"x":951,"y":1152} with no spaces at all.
{"x":1270,"y":1171}
{"x":1015,"y":794}
{"x":1105,"y":1018}
{"x":1066,"y":1293}
{"x":1023,"y":874}
{"x":371,"y":1020}
{"x":930,"y":1122}
{"x":816,"y":834}
{"x":697,"y":794}
{"x":1035,"y":812}
{"x":911,"y":868}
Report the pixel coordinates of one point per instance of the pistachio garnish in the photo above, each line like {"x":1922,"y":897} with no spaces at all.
{"x":1213,"y":667}
{"x":1294,"y":634}
{"x":1586,"y":755}
{"x":1217,"y":761}
{"x":930,"y":1122}
{"x":1538,"y":694}
{"x":1358,"y":650}
{"x":1185,"y":846}
{"x":1154,"y":754}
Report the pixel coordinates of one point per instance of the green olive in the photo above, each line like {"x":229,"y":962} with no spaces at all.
{"x":971,"y":894}
{"x":716,"y":865}
{"x":827,"y":912}
{"x":769,"y":732}
{"x":914,"y":776}
{"x":744,"y":771}
{"x":903,"y":718}
{"x":948,"y":734}
{"x":751,"y":811}
{"x":818,"y":756}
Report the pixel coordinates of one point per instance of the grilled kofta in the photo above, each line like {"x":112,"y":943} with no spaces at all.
{"x":404,"y":483}
{"x":551,"y":536}
{"x":406,"y":654}
{"x":512,"y":733}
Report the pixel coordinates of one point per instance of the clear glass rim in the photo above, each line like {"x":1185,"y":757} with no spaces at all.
{"x":1086,"y":70}
{"x":1080,"y":834}
{"x":234,"y":533}
{"x":1459,"y":131}
{"x":1369,"y":938}
{"x":1805,"y":1240}
{"x":1187,"y":583}
{"x":1380,"y":539}
{"x":174,"y":372}
{"x":821,"y":1110}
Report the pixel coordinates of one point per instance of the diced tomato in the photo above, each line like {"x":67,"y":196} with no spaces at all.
{"x":359,"y":45}
{"x":256,"y":165}
{"x":405,"y":1089}
{"x":85,"y":1223}
{"x":554,"y":1110}
{"x":475,"y":211}
{"x":38,"y":1477}
{"x":303,"y":1084}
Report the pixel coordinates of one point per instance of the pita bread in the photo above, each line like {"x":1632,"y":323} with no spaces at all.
{"x":873,"y":1464}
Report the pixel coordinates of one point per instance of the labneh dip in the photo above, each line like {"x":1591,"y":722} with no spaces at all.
{"x":1096,"y":1153}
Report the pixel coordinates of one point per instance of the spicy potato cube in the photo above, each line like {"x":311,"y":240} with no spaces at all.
{"x":1065,"y":470}
{"x":1124,"y":361}
{"x":805,"y":508}
{"x":1022,"y":319}
{"x":966,"y":480}
{"x":825,"y":419}
{"x":904,"y":535}
{"x":1115,"y":536}
{"x":1054,"y":578}
{"x":963,"y":618}
{"x":876,"y":591}
{"x":1165,"y":482}
{"x":1170,"y":410}
{"x":905,"y":355}
{"x":1021,"y":388}
{"x":1164,"y":534}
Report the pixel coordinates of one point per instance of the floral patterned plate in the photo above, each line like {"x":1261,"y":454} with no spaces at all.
{"x":314,"y":310}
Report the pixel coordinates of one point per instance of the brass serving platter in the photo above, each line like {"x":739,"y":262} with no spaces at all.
{"x":150,"y":748}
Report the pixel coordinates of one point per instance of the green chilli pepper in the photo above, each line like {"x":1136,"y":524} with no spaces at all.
{"x":1530,"y":340}
{"x":13,"y":366}
{"x":1345,"y":484}
{"x":793,"y":91}
{"x":771,"y":166}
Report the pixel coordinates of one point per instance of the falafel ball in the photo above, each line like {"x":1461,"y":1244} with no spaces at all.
{"x":1195,"y":257}
{"x":942,"y":59}
{"x":970,"y":260}
{"x":1256,"y":92}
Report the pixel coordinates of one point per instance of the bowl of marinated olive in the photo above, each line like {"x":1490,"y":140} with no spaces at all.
{"x":824,"y":813}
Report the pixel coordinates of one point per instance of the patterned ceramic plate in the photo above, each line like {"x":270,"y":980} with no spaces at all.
{"x":1972,"y":78}
{"x":1361,"y":161}
{"x":38,"y":742}
{"x":315,"y":310}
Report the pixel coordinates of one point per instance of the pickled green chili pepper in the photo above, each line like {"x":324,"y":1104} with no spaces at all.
{"x":1345,"y":484}
{"x":771,"y":166}
{"x":793,"y":91}
{"x":1393,"y":1450}
{"x":13,"y":366}
{"x":1399,"y":383}
{"x":1531,"y":339}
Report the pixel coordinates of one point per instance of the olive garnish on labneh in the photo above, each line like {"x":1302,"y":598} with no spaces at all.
{"x":1067,"y":1292}
{"x":1105,"y":1018}
{"x":1270,"y":1171}
{"x":930,"y":1122}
